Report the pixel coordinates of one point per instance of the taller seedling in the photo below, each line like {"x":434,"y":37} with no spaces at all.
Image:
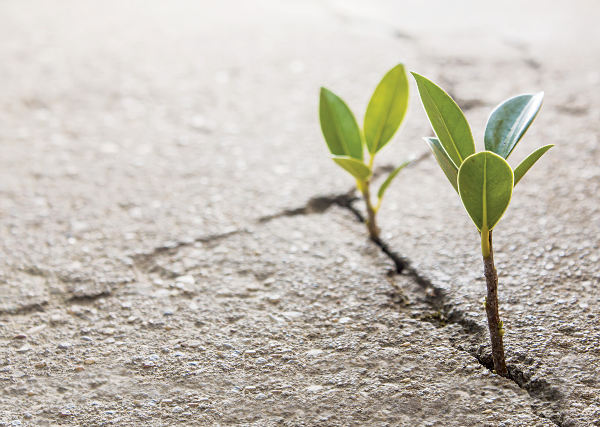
{"x":347,"y":142}
{"x":483,"y":180}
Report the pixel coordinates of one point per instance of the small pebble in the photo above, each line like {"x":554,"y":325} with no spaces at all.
{"x":186,"y":280}
{"x":273,"y":298}
{"x":24,"y":349}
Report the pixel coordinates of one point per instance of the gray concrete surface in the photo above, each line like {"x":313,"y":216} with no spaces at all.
{"x":141,"y":142}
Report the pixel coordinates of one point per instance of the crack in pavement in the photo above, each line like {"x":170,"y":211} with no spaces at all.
{"x":142,"y":258}
{"x":317,"y":205}
{"x":445,"y":312}
{"x":82,"y":296}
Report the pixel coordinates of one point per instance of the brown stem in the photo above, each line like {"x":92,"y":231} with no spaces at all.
{"x":371,"y":214}
{"x":491,"y":308}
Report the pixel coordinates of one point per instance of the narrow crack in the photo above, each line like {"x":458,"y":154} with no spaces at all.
{"x":318,"y":205}
{"x":141,"y":259}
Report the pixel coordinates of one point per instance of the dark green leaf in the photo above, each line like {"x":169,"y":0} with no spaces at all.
{"x":447,"y":120}
{"x":449,"y":168}
{"x":339,"y":126}
{"x":509,"y":121}
{"x":526,"y":164}
{"x":386,"y":109}
{"x":356,"y":167}
{"x":389,"y":179}
{"x":485,"y":183}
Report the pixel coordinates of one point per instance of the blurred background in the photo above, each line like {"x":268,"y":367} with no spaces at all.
{"x":127,"y":126}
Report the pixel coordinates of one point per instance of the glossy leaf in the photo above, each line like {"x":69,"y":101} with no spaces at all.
{"x":447,"y":165}
{"x":526,"y":164}
{"x":390,"y":178}
{"x":339,"y":126}
{"x":447,"y":120}
{"x":356,"y":167}
{"x":386,"y":109}
{"x":485,"y":183}
{"x":509,"y":121}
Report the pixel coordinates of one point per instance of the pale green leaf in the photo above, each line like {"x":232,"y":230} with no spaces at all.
{"x":485,"y":183}
{"x":339,"y":126}
{"x":526,"y":164}
{"x":390,"y":178}
{"x":356,"y":167}
{"x":447,"y":120}
{"x":386,"y":109}
{"x":447,"y":165}
{"x":509,"y":121}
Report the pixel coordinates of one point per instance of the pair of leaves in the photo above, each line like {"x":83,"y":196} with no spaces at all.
{"x":483,"y":180}
{"x":383,"y":117}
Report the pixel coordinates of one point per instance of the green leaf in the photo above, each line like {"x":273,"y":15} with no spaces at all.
{"x":357,"y":168}
{"x":485,"y":183}
{"x":509,"y":121}
{"x":526,"y":164}
{"x":389,"y":179}
{"x":339,"y":126}
{"x":447,"y":120}
{"x":386,"y":109}
{"x":447,"y":165}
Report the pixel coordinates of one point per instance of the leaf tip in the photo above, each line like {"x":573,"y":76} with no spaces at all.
{"x":417,"y":76}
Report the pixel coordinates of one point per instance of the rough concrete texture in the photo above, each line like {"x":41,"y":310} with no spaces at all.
{"x":141,"y":143}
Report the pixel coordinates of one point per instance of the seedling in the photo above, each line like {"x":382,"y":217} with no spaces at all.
{"x":347,"y":142}
{"x":484,"y":180}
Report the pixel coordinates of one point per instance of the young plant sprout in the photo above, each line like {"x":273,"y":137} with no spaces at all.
{"x":484,"y":180}
{"x":347,"y":142}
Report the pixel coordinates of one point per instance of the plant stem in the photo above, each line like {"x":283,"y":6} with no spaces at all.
{"x":491,"y":308}
{"x":371,"y":213}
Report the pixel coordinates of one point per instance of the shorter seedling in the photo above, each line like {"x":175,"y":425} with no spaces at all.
{"x":484,"y":180}
{"x":347,"y":142}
